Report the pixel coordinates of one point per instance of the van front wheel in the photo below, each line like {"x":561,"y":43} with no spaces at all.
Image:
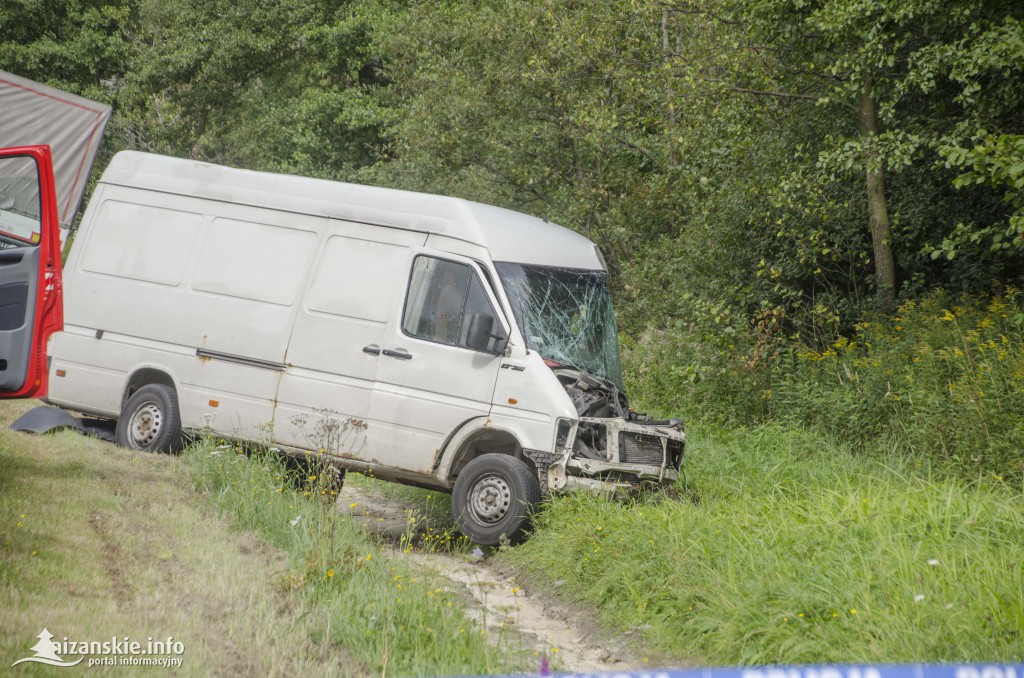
{"x":150,"y":420}
{"x":495,"y":495}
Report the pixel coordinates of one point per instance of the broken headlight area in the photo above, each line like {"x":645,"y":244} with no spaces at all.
{"x":612,"y":445}
{"x":592,"y":397}
{"x":626,"y":450}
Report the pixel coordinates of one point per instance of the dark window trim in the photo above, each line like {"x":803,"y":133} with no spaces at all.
{"x":465,"y":300}
{"x":241,"y":360}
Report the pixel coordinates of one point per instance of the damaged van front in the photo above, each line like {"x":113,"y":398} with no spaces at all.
{"x":565,"y":316}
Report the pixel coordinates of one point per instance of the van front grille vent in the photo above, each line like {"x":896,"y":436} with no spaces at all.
{"x":637,"y":448}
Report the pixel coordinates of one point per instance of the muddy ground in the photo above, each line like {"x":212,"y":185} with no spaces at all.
{"x":535,"y":619}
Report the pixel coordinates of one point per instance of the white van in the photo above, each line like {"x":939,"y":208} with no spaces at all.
{"x":430,"y":340}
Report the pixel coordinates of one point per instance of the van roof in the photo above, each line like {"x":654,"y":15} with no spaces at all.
{"x":507,"y":235}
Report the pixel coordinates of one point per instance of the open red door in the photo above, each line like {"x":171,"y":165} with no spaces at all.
{"x":31,"y":300}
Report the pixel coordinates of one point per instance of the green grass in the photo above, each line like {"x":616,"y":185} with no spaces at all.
{"x":97,"y":542}
{"x":785,"y":547}
{"x":391,"y":618}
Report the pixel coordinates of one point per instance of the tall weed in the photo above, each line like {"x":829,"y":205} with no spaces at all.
{"x":941,"y":379}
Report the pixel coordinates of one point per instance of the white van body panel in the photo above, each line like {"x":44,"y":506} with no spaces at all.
{"x":505,"y":234}
{"x":328,"y":370}
{"x":277,"y":309}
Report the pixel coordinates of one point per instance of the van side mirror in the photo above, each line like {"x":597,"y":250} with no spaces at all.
{"x":478,"y":336}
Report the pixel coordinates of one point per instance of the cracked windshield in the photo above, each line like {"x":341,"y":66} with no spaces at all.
{"x":566,"y":316}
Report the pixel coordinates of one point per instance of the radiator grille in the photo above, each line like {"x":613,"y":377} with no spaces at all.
{"x":636,"y":448}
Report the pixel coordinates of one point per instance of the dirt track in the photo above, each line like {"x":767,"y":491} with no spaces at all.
{"x":541,"y":626}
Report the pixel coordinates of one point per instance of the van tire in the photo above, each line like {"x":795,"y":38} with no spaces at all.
{"x":150,"y":421}
{"x":495,"y":495}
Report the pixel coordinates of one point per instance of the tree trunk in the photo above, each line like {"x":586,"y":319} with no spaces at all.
{"x":878,"y":210}
{"x":666,"y":48}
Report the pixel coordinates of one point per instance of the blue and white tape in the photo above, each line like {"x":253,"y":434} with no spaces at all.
{"x":994,"y":670}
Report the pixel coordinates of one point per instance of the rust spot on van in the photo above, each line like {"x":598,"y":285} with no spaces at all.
{"x":487,"y":424}
{"x":355,"y":457}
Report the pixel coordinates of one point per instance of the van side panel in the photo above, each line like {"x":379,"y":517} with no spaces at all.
{"x":433,"y":383}
{"x":204,"y":274}
{"x":94,"y":370}
{"x":204,"y":290}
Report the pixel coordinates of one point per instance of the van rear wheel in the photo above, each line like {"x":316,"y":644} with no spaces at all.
{"x":495,"y":495}
{"x":150,"y":420}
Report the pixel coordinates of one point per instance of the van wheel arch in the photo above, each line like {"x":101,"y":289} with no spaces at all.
{"x":144,"y":377}
{"x":486,"y":441}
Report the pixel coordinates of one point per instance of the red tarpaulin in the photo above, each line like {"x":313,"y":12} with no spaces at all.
{"x":73,"y":126}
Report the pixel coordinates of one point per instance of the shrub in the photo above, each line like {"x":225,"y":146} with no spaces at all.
{"x":942,"y":378}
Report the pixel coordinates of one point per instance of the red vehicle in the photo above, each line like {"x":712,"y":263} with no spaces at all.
{"x":31,"y":299}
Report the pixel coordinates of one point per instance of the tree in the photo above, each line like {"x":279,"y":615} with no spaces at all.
{"x":76,"y":45}
{"x":883,"y":61}
{"x":263,"y":84}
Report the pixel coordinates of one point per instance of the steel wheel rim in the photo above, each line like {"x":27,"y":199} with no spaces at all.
{"x":490,"y":499}
{"x":145,"y":425}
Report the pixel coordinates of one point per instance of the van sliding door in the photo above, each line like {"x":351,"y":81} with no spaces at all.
{"x":323,"y":401}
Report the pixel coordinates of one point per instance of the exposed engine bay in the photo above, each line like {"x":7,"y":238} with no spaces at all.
{"x":613,"y":444}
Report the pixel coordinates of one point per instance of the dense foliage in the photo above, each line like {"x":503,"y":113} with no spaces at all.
{"x":767,"y":179}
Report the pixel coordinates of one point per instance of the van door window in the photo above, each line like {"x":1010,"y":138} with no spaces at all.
{"x":443,"y":297}
{"x":20,"y":222}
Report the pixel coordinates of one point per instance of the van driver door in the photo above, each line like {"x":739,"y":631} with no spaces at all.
{"x":31,"y":303}
{"x":439,"y":360}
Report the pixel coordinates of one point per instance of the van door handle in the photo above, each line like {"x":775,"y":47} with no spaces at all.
{"x":371,"y":349}
{"x":401,"y":355}
{"x":12,"y":256}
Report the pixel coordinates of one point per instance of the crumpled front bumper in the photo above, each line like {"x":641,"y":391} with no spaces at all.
{"x":615,"y":455}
